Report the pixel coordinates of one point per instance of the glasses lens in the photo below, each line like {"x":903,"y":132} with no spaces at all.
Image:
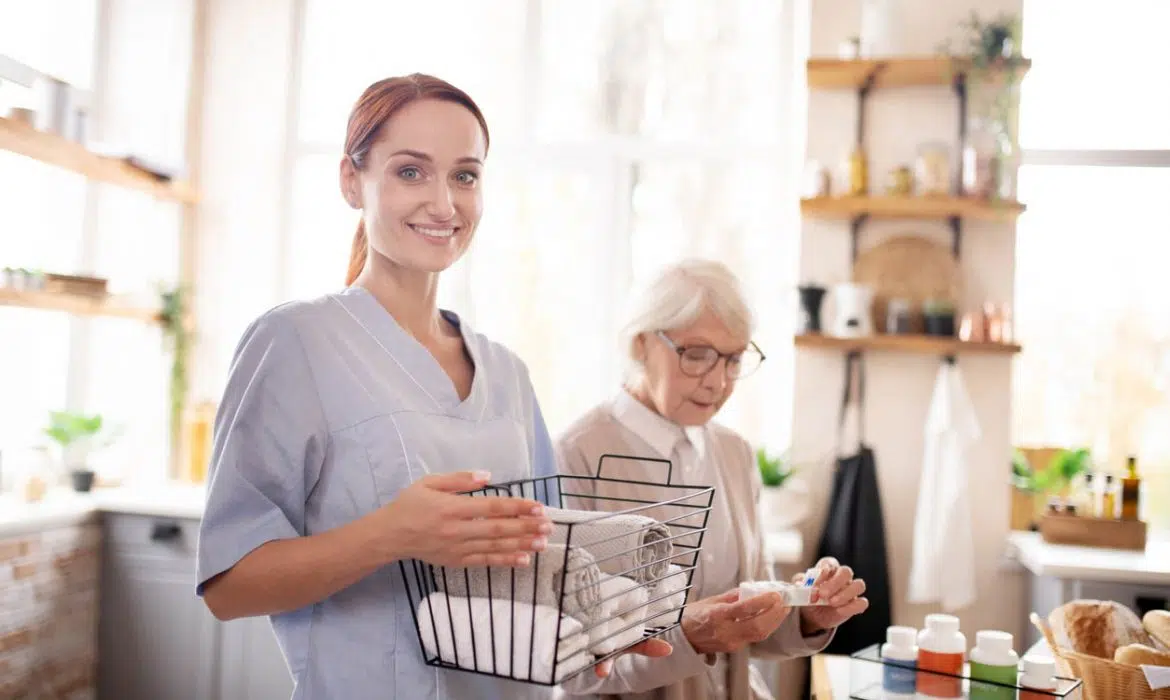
{"x":748,"y":362}
{"x":698,"y":361}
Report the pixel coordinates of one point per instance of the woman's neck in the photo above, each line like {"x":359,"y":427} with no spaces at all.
{"x":408,"y":295}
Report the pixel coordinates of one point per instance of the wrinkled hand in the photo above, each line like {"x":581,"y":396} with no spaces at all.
{"x":653,"y":647}
{"x":429,"y":521}
{"x":726,"y":624}
{"x":834,"y":583}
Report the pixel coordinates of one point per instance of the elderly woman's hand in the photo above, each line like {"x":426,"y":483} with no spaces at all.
{"x":725,"y":624}
{"x":835,"y":584}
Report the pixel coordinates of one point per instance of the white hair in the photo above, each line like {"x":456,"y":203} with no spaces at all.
{"x":676,"y":297}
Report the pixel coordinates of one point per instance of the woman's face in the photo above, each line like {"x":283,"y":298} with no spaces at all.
{"x":420,"y":191}
{"x":684,"y":399}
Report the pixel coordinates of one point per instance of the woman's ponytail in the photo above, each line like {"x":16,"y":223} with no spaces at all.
{"x":357,"y":254}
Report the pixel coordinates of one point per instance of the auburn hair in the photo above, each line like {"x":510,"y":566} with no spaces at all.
{"x":374,"y":108}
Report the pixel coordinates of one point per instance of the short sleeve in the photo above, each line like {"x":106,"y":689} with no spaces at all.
{"x":270,"y":437}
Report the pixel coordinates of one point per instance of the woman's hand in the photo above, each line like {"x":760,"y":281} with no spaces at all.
{"x":725,"y":624}
{"x":835,"y":584}
{"x":430,"y":522}
{"x":653,"y":647}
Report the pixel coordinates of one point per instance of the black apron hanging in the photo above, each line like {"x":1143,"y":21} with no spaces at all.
{"x":854,"y":531}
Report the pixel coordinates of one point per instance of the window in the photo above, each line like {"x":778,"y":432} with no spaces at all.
{"x":624,"y":135}
{"x":58,"y":222}
{"x":1093,"y":302}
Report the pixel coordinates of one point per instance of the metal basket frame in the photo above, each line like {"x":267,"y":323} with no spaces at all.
{"x":422,"y":579}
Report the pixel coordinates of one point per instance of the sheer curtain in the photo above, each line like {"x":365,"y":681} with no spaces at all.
{"x":1093,"y":299}
{"x":624,"y":136}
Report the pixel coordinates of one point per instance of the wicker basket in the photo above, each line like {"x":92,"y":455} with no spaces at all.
{"x":1103,"y":679}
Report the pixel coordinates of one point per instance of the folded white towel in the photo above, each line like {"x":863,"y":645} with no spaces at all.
{"x":668,"y":609}
{"x":511,"y":627}
{"x":624,"y":611}
{"x":540,"y":582}
{"x":624,"y":544}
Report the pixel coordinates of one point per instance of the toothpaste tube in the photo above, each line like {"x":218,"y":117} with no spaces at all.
{"x":794,"y":595}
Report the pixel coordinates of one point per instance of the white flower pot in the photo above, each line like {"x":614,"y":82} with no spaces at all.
{"x":784,"y":507}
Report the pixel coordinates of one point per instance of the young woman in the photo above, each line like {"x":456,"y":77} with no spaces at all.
{"x":350,"y":421}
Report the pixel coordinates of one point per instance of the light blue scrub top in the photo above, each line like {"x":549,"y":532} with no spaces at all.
{"x":330,"y":409}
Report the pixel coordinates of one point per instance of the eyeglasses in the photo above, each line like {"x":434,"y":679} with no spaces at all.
{"x":698,"y":360}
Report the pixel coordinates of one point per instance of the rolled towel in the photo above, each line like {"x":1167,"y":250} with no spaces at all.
{"x":624,"y":544}
{"x":673,"y":585}
{"x":486,"y":621}
{"x":540,"y":582}
{"x":624,"y":611}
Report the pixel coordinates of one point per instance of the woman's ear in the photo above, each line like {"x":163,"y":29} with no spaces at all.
{"x":639,"y":348}
{"x":350,"y":183}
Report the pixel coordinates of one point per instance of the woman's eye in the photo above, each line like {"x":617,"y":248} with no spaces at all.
{"x":410,"y":173}
{"x":467,"y":178}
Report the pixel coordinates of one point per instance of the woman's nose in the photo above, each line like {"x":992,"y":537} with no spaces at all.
{"x":442,"y":204}
{"x":716,"y":378}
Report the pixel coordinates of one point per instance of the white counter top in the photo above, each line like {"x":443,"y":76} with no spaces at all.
{"x":1150,"y":567}
{"x":64,"y":507}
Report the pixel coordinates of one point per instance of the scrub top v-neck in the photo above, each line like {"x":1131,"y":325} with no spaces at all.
{"x":331,"y":408}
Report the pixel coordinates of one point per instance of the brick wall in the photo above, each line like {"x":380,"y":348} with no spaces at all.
{"x":48,"y":614}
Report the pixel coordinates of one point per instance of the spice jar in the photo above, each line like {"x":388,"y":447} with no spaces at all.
{"x":858,"y":173}
{"x":898,"y":316}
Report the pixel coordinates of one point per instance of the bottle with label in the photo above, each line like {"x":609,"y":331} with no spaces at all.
{"x":941,"y":647}
{"x":1039,"y":675}
{"x":1131,"y":489}
{"x":858,"y":173}
{"x":994,"y":660}
{"x":899,"y":658}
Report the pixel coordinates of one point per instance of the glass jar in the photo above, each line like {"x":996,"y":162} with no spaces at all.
{"x":933,"y":169}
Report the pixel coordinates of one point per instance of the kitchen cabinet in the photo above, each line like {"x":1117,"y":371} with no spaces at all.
{"x":156,"y":637}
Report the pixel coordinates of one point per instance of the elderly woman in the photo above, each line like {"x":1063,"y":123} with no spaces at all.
{"x":689,"y":342}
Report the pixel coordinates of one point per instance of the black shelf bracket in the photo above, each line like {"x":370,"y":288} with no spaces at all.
{"x":863,"y":93}
{"x":959,"y":83}
{"x":956,"y":234}
{"x":949,"y":359}
{"x":855,"y":225}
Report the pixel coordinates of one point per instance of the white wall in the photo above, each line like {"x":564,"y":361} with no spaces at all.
{"x":899,"y":386}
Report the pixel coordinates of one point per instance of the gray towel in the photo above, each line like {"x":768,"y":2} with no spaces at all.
{"x":629,"y":545}
{"x":582,"y":583}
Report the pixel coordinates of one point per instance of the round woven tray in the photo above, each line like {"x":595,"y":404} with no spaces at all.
{"x":908,"y":267}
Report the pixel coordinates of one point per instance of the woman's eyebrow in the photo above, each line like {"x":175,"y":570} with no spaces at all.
{"x":424,"y":157}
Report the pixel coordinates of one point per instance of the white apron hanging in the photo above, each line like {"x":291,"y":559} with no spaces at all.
{"x":942,"y":569}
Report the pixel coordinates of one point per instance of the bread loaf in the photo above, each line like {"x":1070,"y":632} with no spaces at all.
{"x":1139,"y":654}
{"x":1096,"y":627}
{"x":1157,"y":624}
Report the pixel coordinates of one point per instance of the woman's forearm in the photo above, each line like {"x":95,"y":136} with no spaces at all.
{"x":284,"y":575}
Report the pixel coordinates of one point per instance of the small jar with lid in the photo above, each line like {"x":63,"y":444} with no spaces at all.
{"x":933,"y":169}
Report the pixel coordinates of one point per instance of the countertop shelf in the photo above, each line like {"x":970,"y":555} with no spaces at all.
{"x":905,"y":71}
{"x":918,"y":344}
{"x":54,"y":150}
{"x":892,"y":207}
{"x":112,"y":306}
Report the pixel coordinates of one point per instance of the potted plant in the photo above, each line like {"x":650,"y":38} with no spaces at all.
{"x":938,"y":317}
{"x":784,"y":500}
{"x":78,"y":435}
{"x":1035,"y":486}
{"x":177,"y":337}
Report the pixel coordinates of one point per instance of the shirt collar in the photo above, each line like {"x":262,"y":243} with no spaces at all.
{"x":660,"y":433}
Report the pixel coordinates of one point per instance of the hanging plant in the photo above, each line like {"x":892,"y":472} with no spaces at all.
{"x":177,"y":340}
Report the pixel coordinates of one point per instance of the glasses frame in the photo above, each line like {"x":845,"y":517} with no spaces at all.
{"x":725,"y":356}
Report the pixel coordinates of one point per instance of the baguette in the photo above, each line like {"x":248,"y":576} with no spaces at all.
{"x":1140,"y":654}
{"x":1157,"y":624}
{"x":1096,"y":627}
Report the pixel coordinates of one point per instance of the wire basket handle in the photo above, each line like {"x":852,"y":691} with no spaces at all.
{"x":667,"y":462}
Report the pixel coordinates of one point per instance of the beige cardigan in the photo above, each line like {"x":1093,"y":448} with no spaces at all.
{"x":682,"y":675}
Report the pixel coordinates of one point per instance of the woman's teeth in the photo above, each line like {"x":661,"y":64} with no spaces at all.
{"x":434,"y":232}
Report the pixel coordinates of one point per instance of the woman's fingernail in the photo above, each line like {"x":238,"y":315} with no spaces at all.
{"x":482,"y":476}
{"x":545,"y":528}
{"x":538,"y":510}
{"x":539,"y":543}
{"x":522,"y":560}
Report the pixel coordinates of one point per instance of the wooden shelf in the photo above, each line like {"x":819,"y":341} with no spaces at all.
{"x":889,"y":207}
{"x":78,"y":305}
{"x":916,"y":71}
{"x":62,"y":153}
{"x":918,"y":344}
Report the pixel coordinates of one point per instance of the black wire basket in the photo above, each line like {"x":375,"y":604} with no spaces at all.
{"x":617,"y":571}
